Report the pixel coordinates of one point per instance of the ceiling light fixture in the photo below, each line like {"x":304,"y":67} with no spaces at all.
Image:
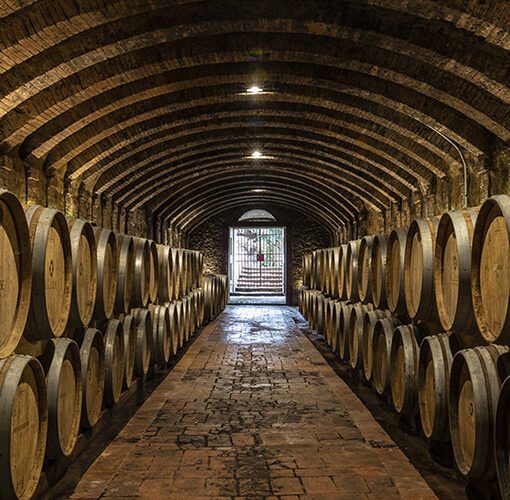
{"x":259,"y":190}
{"x":256,"y":155}
{"x":254,"y":89}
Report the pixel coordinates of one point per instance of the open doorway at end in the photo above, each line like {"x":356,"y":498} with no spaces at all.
{"x":257,"y":265}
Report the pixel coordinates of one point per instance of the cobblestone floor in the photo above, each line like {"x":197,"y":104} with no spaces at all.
{"x":252,"y":410}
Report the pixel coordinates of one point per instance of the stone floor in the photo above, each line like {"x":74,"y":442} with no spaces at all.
{"x":252,"y":410}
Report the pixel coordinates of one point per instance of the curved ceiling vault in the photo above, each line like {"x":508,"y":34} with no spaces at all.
{"x":145,"y":102}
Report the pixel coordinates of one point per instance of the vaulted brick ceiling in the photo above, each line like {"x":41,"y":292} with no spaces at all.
{"x":144,"y":100}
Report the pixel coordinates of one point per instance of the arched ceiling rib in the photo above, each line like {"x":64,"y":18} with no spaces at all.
{"x":142,"y":101}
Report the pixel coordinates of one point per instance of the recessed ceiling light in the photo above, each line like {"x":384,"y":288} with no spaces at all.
{"x":254,"y":89}
{"x":259,"y":190}
{"x":256,"y":155}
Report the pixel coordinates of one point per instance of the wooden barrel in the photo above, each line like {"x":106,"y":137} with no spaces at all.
{"x":502,"y":440}
{"x":381,"y":354}
{"x":114,"y":361}
{"x":84,"y":266}
{"x":335,"y":325}
{"x":319,"y":314}
{"x":200,"y":307}
{"x":153,"y":272}
{"x":129,"y":328}
{"x":181,"y":328}
{"x":161,"y":334}
{"x":343,"y":331}
{"x":144,"y":340}
{"x":395,"y":257}
{"x":404,"y":357}
{"x":434,"y":366}
{"x":355,"y":337}
{"x":307,"y":270}
{"x":107,"y":273}
{"x":330,"y":306}
{"x":15,"y":272}
{"x":351,"y":270}
{"x":365,"y":269}
{"x":370,"y":318}
{"x":52,"y":273}
{"x":126,"y":256}
{"x":320,"y":257}
{"x":200,"y":270}
{"x":209,"y":291}
{"x":342,"y":261}
{"x":419,"y":270}
{"x":490,"y":274}
{"x":187,"y":316}
{"x":142,"y":273}
{"x":452,"y":271}
{"x":92,"y":374}
{"x":473,"y":395}
{"x":334,"y":269}
{"x":23,"y":425}
{"x":182,"y":271}
{"x":165,"y":282}
{"x":313,"y":276}
{"x":378,"y":271}
{"x":64,"y":384}
{"x":195,"y":302}
{"x":174,"y":327}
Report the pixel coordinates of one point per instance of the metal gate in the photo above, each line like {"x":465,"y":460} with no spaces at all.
{"x":257,"y":261}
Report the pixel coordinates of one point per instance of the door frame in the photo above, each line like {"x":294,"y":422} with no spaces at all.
{"x":255,"y":225}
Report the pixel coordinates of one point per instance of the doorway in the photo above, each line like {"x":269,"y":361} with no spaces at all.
{"x":257,"y":267}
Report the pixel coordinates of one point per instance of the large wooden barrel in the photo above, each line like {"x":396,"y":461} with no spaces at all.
{"x":404,"y":356}
{"x":165,"y":282}
{"x":490,"y":271}
{"x":419,"y":270}
{"x":320,"y":256}
{"x":395,"y":258}
{"x":343,"y":331}
{"x":142,"y":273}
{"x":307,"y":269}
{"x":84,"y":259}
{"x":335,"y":266}
{"x":335,"y":325}
{"x":434,"y":366}
{"x":381,"y":354}
{"x":161,"y":334}
{"x":15,"y":272}
{"x":355,"y":336}
{"x":64,"y":398}
{"x":473,"y":396}
{"x":144,"y":340}
{"x":342,"y":261}
{"x":365,"y":269}
{"x":378,"y":271}
{"x":153,"y":271}
{"x":23,"y":425}
{"x":200,"y":311}
{"x":114,"y":361}
{"x":329,"y":307}
{"x":107,"y":273}
{"x":52,"y":273}
{"x":174,"y":327}
{"x":351,"y":271}
{"x":187,"y":316}
{"x":326,"y":280}
{"x":313,"y":275}
{"x":319,"y":322}
{"x":92,"y":374}
{"x":182,"y":269}
{"x":129,"y":328}
{"x":181,"y":328}
{"x":502,"y":440}
{"x":370,"y":318}
{"x":126,"y":272}
{"x":452,"y":271}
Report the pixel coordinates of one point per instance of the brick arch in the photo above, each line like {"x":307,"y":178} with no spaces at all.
{"x":86,"y":86}
{"x":172,"y":199}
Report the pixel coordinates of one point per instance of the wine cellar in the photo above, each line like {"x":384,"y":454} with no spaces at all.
{"x":254,"y":249}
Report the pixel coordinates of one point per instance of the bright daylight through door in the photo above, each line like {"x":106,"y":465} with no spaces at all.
{"x":257,"y":262}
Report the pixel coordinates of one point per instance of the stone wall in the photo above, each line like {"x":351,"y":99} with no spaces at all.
{"x":303,"y":236}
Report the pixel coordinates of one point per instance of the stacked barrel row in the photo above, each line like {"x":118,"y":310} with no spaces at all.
{"x":423,"y":315}
{"x":85,"y":313}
